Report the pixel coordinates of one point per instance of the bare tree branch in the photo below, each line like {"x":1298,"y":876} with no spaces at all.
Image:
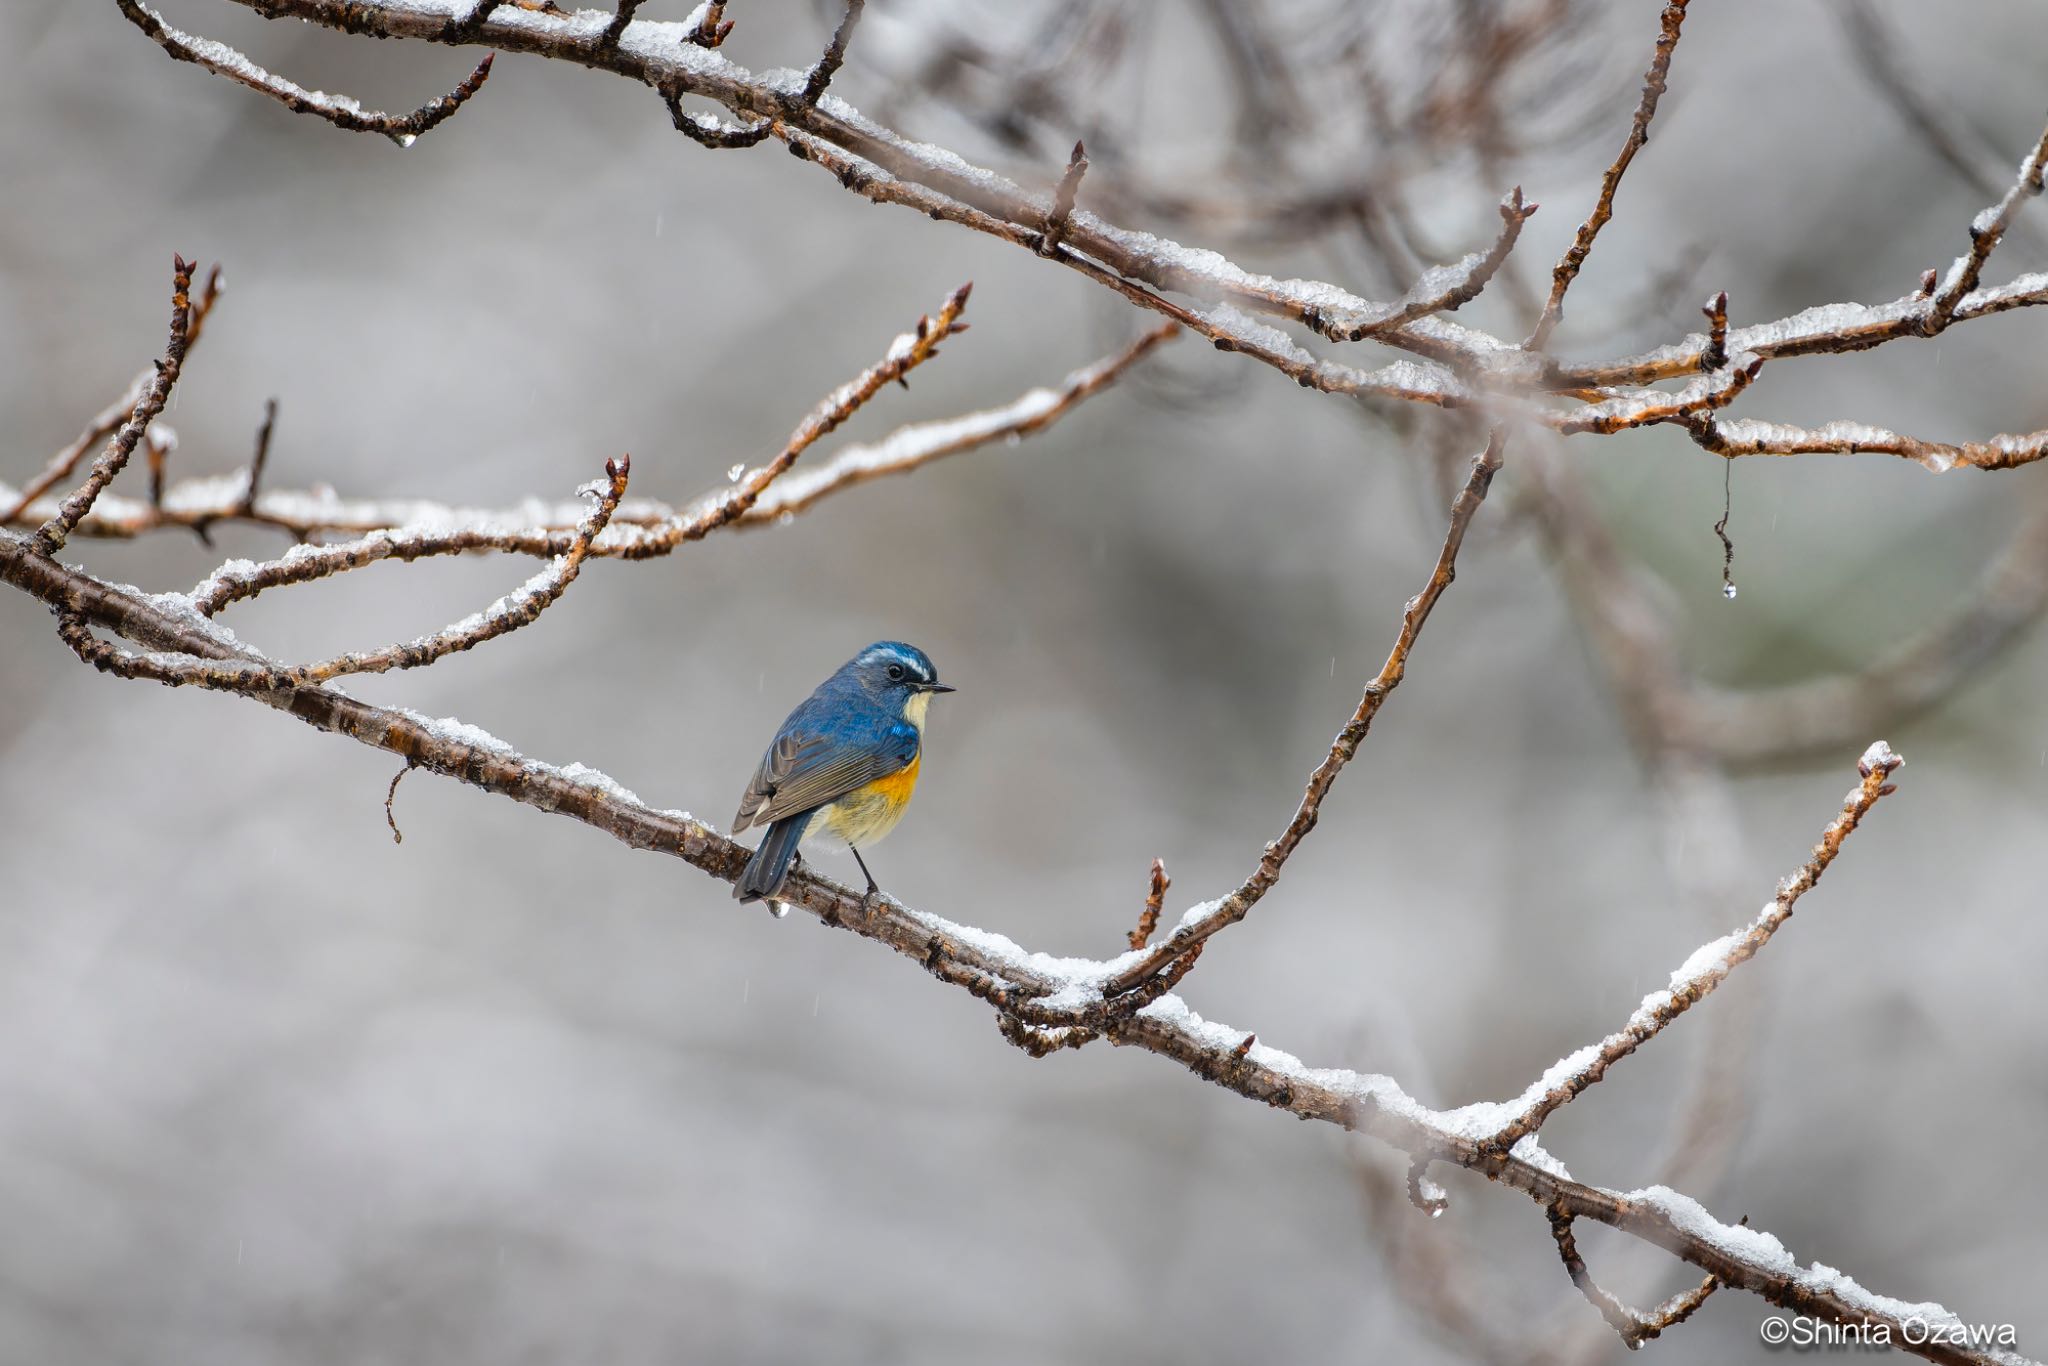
{"x":543,"y":529}
{"x":1475,"y":368}
{"x":339,"y":110}
{"x":1634,"y":1329}
{"x":1708,"y":967}
{"x":52,"y":535}
{"x":1370,"y":1104}
{"x":1206,"y":920}
{"x":1668,"y":26}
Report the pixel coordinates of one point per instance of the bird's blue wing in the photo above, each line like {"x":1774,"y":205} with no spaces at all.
{"x":815,"y":761}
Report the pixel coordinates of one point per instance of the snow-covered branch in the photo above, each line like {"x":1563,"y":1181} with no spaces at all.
{"x":1018,"y":982}
{"x":1457,"y":366}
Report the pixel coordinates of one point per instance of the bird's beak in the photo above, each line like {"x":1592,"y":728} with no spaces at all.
{"x":938,"y":687}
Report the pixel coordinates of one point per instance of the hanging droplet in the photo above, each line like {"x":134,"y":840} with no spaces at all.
{"x":781,"y":909}
{"x":1721,"y":527}
{"x":407,"y":139}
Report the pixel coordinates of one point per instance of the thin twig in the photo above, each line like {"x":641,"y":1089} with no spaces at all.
{"x":1634,"y":1329}
{"x":1155,"y":900}
{"x":390,"y":795}
{"x":50,"y":538}
{"x":339,"y":110}
{"x":243,"y":580}
{"x":1987,"y":230}
{"x":1567,"y":269}
{"x":1198,"y":927}
{"x":246,"y":506}
{"x":714,"y":28}
{"x":620,"y":18}
{"x":834,"y":57}
{"x":306,"y":514}
{"x":1709,"y":965}
{"x":1440,"y":290}
{"x":1063,"y":201}
{"x":110,"y":418}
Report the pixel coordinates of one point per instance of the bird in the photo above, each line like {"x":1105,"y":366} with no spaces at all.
{"x":842,"y":766}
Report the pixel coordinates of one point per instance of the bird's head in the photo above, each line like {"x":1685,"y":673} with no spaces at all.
{"x":898,"y":676}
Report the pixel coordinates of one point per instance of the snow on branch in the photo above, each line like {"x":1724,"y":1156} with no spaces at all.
{"x":1708,"y":967}
{"x":1037,"y":991}
{"x":541,"y":528}
{"x":1454,"y":365}
{"x":340,"y":110}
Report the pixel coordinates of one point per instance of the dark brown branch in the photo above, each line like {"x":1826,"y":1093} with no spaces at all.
{"x":338,"y":110}
{"x":246,"y":506}
{"x":620,"y":18}
{"x":1574,"y":258}
{"x":1424,"y":1193}
{"x":1716,"y":353}
{"x":707,"y":131}
{"x":50,"y":538}
{"x":1634,"y":1329}
{"x":391,"y":795}
{"x":480,"y":14}
{"x":1234,"y":907}
{"x":828,"y":65}
{"x":110,"y":418}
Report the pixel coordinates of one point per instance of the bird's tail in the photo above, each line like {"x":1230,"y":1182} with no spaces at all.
{"x":768,"y":869}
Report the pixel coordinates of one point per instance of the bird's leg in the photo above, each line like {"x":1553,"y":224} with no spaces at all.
{"x":867,"y":901}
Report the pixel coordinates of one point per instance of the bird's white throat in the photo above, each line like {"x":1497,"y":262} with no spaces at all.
{"x":914,"y":709}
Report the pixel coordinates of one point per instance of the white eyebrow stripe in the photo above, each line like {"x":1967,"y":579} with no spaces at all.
{"x":897,"y":656}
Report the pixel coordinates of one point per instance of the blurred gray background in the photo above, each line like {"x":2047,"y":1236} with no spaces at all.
{"x":273,"y":1088}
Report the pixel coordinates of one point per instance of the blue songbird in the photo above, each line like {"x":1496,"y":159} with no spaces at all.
{"x":842,"y":766}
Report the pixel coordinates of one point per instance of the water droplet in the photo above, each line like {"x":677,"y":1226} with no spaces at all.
{"x":1436,"y":1212}
{"x":408,"y":139}
{"x":1014,"y":439}
{"x":780,"y":908}
{"x":1728,"y":591}
{"x":736,"y":471}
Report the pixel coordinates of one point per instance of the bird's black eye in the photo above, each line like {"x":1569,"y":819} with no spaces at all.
{"x":895,"y":673}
